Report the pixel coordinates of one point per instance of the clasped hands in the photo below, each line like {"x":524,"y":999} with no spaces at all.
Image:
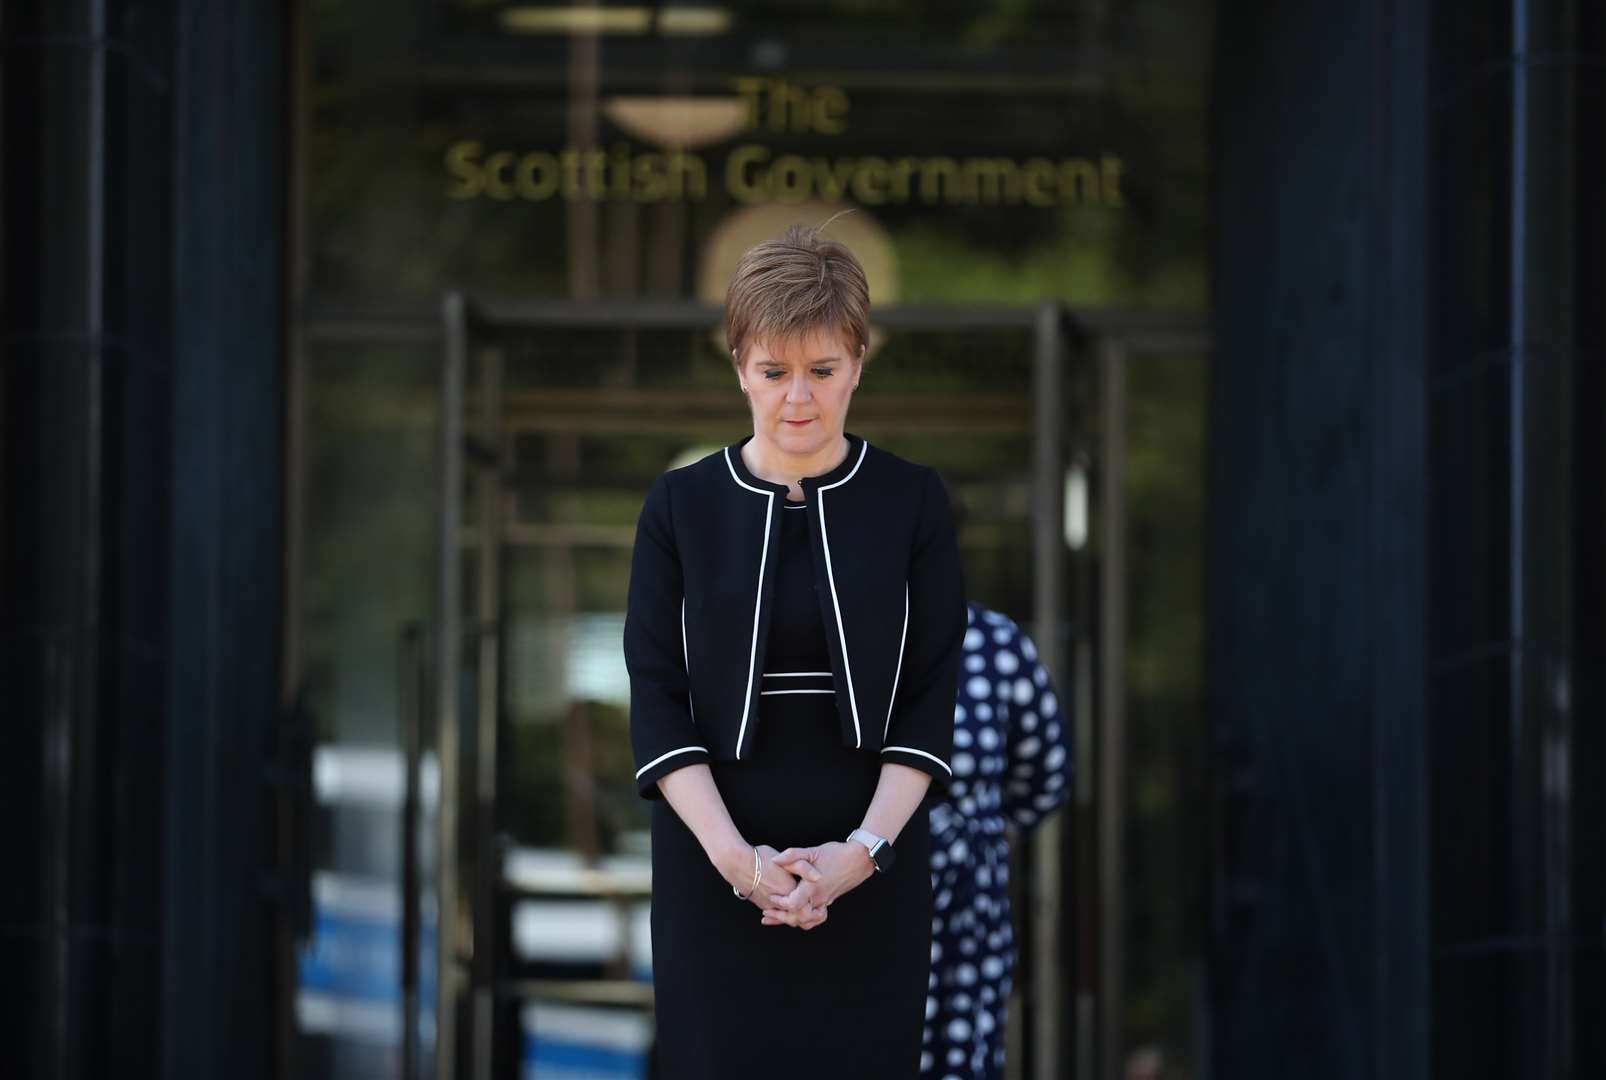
{"x":800,"y":883}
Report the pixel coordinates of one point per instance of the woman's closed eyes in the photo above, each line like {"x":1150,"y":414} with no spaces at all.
{"x":771,"y":374}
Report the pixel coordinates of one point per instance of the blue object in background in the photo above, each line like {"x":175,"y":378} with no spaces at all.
{"x":350,"y":972}
{"x":577,"y":1042}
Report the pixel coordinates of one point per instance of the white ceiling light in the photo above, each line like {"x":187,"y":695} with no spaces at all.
{"x":683,"y":21}
{"x":681,"y":123}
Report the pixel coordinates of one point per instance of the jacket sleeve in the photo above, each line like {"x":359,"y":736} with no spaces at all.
{"x":663,"y":734}
{"x":920,"y":727}
{"x":1039,"y":754}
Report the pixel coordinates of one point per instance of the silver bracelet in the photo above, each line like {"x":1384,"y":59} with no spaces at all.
{"x":758,"y":872}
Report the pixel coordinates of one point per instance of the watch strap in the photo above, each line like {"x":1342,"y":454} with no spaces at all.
{"x":872,"y":842}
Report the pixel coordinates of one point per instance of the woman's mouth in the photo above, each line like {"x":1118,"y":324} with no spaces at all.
{"x":799,"y":423}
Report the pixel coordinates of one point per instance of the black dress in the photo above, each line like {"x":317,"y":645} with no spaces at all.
{"x":739,"y":999}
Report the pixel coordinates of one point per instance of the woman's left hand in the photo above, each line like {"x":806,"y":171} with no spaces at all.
{"x":841,"y":867}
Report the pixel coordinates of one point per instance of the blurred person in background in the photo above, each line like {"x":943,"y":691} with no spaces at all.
{"x":1012,"y":766}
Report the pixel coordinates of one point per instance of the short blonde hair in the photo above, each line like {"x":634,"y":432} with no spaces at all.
{"x":796,"y":285}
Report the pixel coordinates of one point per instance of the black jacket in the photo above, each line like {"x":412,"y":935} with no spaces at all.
{"x":886,"y":564}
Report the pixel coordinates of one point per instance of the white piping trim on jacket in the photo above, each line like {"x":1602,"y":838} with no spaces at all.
{"x":758,"y":598}
{"x":672,"y":753}
{"x":830,"y":577}
{"x":922,"y":753}
{"x":902,"y":640}
{"x":685,"y":654}
{"x":766,"y":693}
{"x":794,"y":674}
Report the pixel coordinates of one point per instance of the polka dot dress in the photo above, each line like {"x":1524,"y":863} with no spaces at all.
{"x":1011,"y":765}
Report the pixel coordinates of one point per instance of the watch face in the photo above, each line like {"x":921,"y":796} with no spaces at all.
{"x":883,"y":856}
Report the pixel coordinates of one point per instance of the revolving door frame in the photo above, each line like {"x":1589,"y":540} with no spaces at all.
{"x":1104,"y":340}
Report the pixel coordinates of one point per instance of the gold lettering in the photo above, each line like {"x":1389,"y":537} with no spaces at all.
{"x":931,"y":171}
{"x":684,"y":167}
{"x":753,"y":175}
{"x":870,"y":181}
{"x":751,"y":89}
{"x":570,"y":159}
{"x":460,"y":162}
{"x":778,"y":105}
{"x":531,"y":188}
{"x":1078,"y":181}
{"x":991,"y":180}
{"x":1112,"y":181}
{"x":900,"y":178}
{"x":619,"y":172}
{"x":652,"y":184}
{"x":789,"y":106}
{"x":830,"y":110}
{"x":596,"y":174}
{"x":789,"y":179}
{"x":1037,"y":178}
{"x":832,"y":177}
{"x":496,"y":186}
{"x":737,"y":183}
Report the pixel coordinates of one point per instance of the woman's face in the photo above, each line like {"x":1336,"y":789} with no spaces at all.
{"x":799,"y":389}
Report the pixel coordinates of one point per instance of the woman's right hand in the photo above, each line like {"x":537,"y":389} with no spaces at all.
{"x":772,"y":883}
{"x":801,"y":914}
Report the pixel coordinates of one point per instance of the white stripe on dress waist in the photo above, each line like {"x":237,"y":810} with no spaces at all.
{"x":797,"y":682}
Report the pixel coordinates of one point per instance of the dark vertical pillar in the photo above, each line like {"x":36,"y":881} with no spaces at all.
{"x":1398,"y":160}
{"x":83,"y":396}
{"x":1315,"y":631}
{"x":224,"y":558}
{"x":1411,"y":330}
{"x":1517,"y":499}
{"x":140,"y":493}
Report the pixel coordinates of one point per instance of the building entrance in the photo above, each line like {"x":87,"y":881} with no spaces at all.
{"x":554,"y":420}
{"x":502,"y":510}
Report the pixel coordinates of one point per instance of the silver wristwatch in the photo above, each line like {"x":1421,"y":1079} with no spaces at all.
{"x":881,"y":854}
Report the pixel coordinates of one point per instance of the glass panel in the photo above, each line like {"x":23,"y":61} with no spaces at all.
{"x":367,"y":480}
{"x":990,"y":154}
{"x":1167,"y":837}
{"x":591,"y":416}
{"x":588,"y":438}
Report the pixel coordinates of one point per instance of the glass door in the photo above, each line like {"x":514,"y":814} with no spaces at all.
{"x":554,"y":421}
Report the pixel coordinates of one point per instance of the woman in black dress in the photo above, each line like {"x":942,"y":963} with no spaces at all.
{"x":793,"y":640}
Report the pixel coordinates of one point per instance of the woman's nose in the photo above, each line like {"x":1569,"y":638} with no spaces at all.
{"x":797,"y":390}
